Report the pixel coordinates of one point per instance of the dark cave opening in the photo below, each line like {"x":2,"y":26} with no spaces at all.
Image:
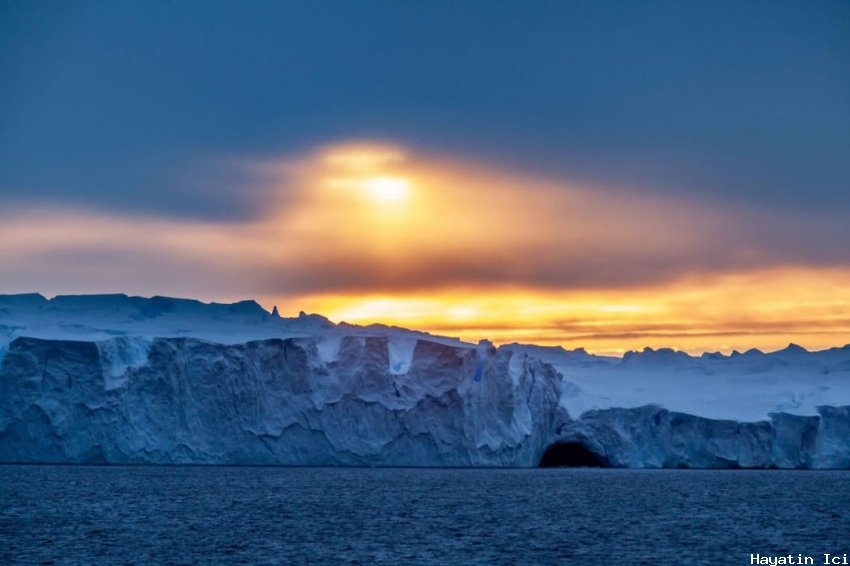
{"x":571,"y":455}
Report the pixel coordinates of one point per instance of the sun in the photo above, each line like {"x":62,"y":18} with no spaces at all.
{"x":387,"y":190}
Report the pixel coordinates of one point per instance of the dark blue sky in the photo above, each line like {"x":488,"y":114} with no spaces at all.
{"x":132,"y":105}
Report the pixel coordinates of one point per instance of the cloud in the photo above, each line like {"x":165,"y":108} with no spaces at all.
{"x":463,"y":224}
{"x":369,"y":231}
{"x":367,"y":217}
{"x":765,"y":308}
{"x":731,"y":102}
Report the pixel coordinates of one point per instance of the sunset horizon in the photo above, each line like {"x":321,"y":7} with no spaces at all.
{"x":425,"y":282}
{"x":582,"y":185}
{"x":369,"y":232}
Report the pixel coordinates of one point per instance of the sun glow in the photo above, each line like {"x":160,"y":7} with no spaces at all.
{"x":369,"y":233}
{"x":387,"y":190}
{"x":727,"y":312}
{"x":467,"y":251}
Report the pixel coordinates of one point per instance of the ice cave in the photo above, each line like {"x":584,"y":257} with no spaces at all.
{"x":571,"y":455}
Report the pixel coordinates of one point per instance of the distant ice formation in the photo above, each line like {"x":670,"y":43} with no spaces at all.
{"x":118,"y":379}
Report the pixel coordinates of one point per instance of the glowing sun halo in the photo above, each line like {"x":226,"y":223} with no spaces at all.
{"x":387,"y":190}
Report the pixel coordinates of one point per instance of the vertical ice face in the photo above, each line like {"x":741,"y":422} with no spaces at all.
{"x":273,"y":401}
{"x":401,"y":350}
{"x":118,"y":355}
{"x":328,"y":347}
{"x":652,"y":437}
{"x":833,"y":438}
{"x":281,"y":401}
{"x":126,"y":379}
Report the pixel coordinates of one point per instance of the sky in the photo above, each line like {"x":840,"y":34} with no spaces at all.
{"x":608,"y":175}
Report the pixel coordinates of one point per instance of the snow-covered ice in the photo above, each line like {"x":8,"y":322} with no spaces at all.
{"x":113,"y":378}
{"x":742,"y":386}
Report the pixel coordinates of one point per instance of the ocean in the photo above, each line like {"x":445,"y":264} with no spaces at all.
{"x":280,"y":515}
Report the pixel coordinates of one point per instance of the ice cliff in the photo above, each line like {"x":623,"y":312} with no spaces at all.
{"x":272,"y":401}
{"x":117,"y":379}
{"x":652,"y":437}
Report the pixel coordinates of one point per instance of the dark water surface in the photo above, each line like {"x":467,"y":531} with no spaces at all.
{"x":183,"y":515}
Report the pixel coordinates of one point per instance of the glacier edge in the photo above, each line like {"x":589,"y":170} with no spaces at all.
{"x":284,"y":401}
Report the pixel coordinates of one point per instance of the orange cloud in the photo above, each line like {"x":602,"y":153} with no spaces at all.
{"x":370,"y":232}
{"x":447,"y":224}
{"x":765,"y":309}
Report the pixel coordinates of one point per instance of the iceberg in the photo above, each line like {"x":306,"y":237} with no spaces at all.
{"x":128,"y":380}
{"x":272,"y":401}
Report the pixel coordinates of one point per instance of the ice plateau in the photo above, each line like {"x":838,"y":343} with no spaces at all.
{"x":118,"y":379}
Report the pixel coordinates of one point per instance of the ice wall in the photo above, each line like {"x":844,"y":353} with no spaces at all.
{"x":275,"y":401}
{"x":653,"y":437}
